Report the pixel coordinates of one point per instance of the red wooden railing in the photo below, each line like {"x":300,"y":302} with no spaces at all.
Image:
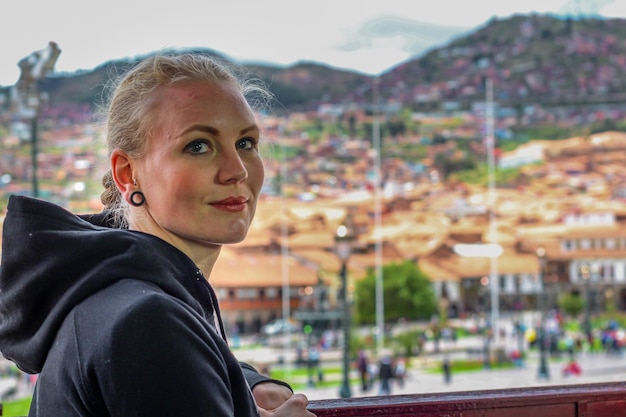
{"x":589,"y":400}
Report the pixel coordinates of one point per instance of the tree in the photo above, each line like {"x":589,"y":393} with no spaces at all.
{"x":408,"y":294}
{"x":571,"y":303}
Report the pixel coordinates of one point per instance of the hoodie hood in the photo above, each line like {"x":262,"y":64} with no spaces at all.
{"x":53,"y":259}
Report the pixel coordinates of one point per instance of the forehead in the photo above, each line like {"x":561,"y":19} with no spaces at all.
{"x":218,"y":104}
{"x":205,"y":93}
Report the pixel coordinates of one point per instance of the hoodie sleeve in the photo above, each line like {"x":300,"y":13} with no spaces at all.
{"x":254,"y":377}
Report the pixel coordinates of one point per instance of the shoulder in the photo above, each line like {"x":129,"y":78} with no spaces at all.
{"x":133,"y":337}
{"x":132,"y":307}
{"x":126,"y":329}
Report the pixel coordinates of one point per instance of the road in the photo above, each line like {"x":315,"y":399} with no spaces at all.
{"x":596,"y":367}
{"x":599,"y":368}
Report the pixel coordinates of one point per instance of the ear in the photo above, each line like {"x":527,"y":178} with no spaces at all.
{"x":122,"y":170}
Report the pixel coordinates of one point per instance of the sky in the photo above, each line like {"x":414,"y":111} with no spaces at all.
{"x":362,"y":35}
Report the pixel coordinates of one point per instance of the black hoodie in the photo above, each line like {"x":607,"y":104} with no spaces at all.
{"x":115,"y":322}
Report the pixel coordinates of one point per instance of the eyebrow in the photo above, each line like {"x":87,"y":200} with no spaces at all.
{"x":214,"y":131}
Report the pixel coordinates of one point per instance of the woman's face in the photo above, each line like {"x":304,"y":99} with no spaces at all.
{"x":201,"y":172}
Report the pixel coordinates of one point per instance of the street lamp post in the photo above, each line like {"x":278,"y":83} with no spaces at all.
{"x":486,"y":344}
{"x":585,"y":275}
{"x":593,"y":300}
{"x":343,"y":248}
{"x":486,"y":329}
{"x":27,"y":98}
{"x":543,"y":372}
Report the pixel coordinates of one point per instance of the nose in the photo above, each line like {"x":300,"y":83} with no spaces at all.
{"x":232,"y":168}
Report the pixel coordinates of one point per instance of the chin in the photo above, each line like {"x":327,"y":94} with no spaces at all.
{"x":232,"y":239}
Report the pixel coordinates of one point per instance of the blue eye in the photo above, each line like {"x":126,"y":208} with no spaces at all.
{"x":246,"y":143}
{"x":197,"y":147}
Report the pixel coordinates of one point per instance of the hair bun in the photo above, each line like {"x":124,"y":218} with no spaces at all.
{"x":110,"y":197}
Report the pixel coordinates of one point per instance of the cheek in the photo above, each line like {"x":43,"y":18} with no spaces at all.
{"x":256,"y":172}
{"x":181,"y":182}
{"x":170,"y":184}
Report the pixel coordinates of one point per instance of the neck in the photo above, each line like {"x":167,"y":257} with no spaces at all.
{"x":203,"y":254}
{"x":206,"y":260}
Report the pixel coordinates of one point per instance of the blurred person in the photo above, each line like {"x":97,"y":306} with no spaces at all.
{"x":447,"y":370}
{"x":571,"y":368}
{"x":400,"y":370}
{"x":385,"y":374}
{"x":315,"y":363}
{"x":373,"y":372}
{"x":363,"y":367}
{"x":517,"y":358}
{"x":114,"y":311}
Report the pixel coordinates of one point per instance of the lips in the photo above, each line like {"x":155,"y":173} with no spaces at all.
{"x":231,"y":204}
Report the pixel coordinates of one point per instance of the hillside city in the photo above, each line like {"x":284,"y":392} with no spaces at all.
{"x":553,"y":180}
{"x":480,"y":145}
{"x":568,"y":198}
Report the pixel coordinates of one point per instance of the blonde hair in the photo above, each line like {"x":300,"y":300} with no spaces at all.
{"x":129,"y":112}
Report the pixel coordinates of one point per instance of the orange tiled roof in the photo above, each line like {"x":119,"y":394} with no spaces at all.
{"x":455,"y":267}
{"x":236,"y":268}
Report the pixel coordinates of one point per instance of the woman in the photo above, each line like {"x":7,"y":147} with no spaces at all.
{"x":123,"y":322}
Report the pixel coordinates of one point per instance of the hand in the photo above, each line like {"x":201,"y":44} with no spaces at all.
{"x":270,"y":396}
{"x":295,"y":406}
